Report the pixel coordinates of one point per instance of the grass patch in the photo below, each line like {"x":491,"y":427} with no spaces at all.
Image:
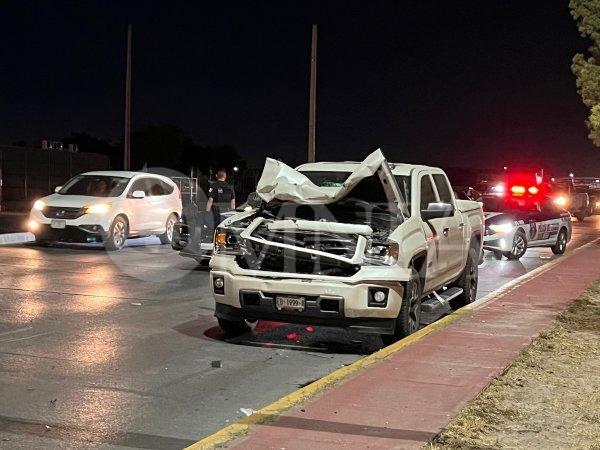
{"x":549,"y":397}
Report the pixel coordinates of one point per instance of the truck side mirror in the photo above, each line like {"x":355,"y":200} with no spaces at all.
{"x":437,"y":211}
{"x":138,"y":194}
{"x":254,"y":200}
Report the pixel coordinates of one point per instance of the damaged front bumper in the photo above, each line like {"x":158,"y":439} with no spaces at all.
{"x":329,"y":301}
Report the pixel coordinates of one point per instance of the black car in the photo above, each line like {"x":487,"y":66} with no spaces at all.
{"x":193,"y":235}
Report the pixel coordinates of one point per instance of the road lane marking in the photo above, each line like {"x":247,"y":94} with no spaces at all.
{"x":301,"y":395}
{"x":33,"y":336}
{"x":18,"y":330}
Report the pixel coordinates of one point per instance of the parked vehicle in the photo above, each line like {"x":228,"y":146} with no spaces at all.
{"x":108,"y":207}
{"x":565,"y":195}
{"x":364,"y":245}
{"x":193,"y":235}
{"x":513,"y":224}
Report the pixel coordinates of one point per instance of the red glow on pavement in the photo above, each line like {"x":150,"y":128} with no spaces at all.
{"x":264,"y":325}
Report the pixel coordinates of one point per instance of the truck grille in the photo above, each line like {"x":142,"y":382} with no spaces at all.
{"x":58,"y":212}
{"x":276,"y":259}
{"x":342,"y":245}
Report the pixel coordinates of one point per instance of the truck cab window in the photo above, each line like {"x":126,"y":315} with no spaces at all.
{"x":427,"y":193}
{"x":442,"y":187}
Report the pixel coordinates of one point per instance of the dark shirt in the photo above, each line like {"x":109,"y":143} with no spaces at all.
{"x":221,"y":192}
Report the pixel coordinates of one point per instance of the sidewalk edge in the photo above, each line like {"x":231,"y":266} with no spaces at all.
{"x":16,"y":238}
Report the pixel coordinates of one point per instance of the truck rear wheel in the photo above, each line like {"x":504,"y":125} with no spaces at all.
{"x":409,"y":319}
{"x":467,"y":282}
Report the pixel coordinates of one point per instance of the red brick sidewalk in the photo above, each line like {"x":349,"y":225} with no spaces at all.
{"x":405,"y":400}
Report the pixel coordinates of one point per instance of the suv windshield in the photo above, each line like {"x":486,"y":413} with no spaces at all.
{"x":95,"y":186}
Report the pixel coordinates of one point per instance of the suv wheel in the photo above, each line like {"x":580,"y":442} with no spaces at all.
{"x":409,"y":319}
{"x":117,"y":234}
{"x":167,"y":236}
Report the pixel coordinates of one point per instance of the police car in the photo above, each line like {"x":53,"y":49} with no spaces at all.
{"x":514,"y":223}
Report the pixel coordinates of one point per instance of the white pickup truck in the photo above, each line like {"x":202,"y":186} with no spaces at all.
{"x":367,"y":245}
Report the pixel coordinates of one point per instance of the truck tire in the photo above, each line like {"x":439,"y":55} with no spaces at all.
{"x":561,"y":243}
{"x":467,"y":282}
{"x":409,"y":319}
{"x":519,"y":246}
{"x":236,"y":327}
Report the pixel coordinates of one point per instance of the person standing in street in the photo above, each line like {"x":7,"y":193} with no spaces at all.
{"x":221,"y":197}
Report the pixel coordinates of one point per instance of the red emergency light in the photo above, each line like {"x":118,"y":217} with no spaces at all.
{"x":524,"y":186}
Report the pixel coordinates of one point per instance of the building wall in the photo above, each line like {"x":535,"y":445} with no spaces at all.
{"x":30,"y":173}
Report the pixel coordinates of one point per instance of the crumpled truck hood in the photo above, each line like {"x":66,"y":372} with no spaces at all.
{"x":319,"y":226}
{"x":281,"y":182}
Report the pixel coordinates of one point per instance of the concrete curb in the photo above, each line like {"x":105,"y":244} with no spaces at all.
{"x":16,"y":238}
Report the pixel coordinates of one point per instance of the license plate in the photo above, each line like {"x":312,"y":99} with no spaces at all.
{"x":290,"y":302}
{"x":58,"y":224}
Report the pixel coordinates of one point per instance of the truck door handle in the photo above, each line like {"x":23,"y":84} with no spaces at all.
{"x":445,"y":231}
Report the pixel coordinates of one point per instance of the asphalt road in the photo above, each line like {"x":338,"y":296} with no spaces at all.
{"x":116,"y":350}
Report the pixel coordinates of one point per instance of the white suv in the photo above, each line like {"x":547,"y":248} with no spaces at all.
{"x":109,"y":207}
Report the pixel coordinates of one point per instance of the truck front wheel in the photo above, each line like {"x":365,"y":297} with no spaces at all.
{"x":409,"y":319}
{"x":467,"y":282}
{"x":236,"y":327}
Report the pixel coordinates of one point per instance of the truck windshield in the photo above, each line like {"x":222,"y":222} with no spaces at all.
{"x":95,"y":186}
{"x":327,"y":179}
{"x":336,"y":179}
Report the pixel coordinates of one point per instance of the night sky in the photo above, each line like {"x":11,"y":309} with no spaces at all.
{"x":477,"y":83}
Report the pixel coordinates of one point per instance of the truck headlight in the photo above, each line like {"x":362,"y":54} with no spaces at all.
{"x":502,"y":227}
{"x":226,"y":243}
{"x":382,"y":253}
{"x":99,"y":208}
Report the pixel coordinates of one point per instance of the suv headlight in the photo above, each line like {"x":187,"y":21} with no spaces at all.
{"x":378,"y":254}
{"x":39,"y":205}
{"x":226,"y":242}
{"x":502,"y":227}
{"x":98,"y":208}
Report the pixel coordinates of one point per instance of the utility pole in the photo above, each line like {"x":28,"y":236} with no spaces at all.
{"x":312,"y":109}
{"x":127,"y":139}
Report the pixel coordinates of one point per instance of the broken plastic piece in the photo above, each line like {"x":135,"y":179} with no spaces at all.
{"x":247,"y":411}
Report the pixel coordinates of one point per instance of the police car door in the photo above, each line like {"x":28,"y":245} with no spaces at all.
{"x":548,"y":224}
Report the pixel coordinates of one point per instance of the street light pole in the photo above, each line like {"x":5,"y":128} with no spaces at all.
{"x":127,"y":138}
{"x":312,"y":110}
